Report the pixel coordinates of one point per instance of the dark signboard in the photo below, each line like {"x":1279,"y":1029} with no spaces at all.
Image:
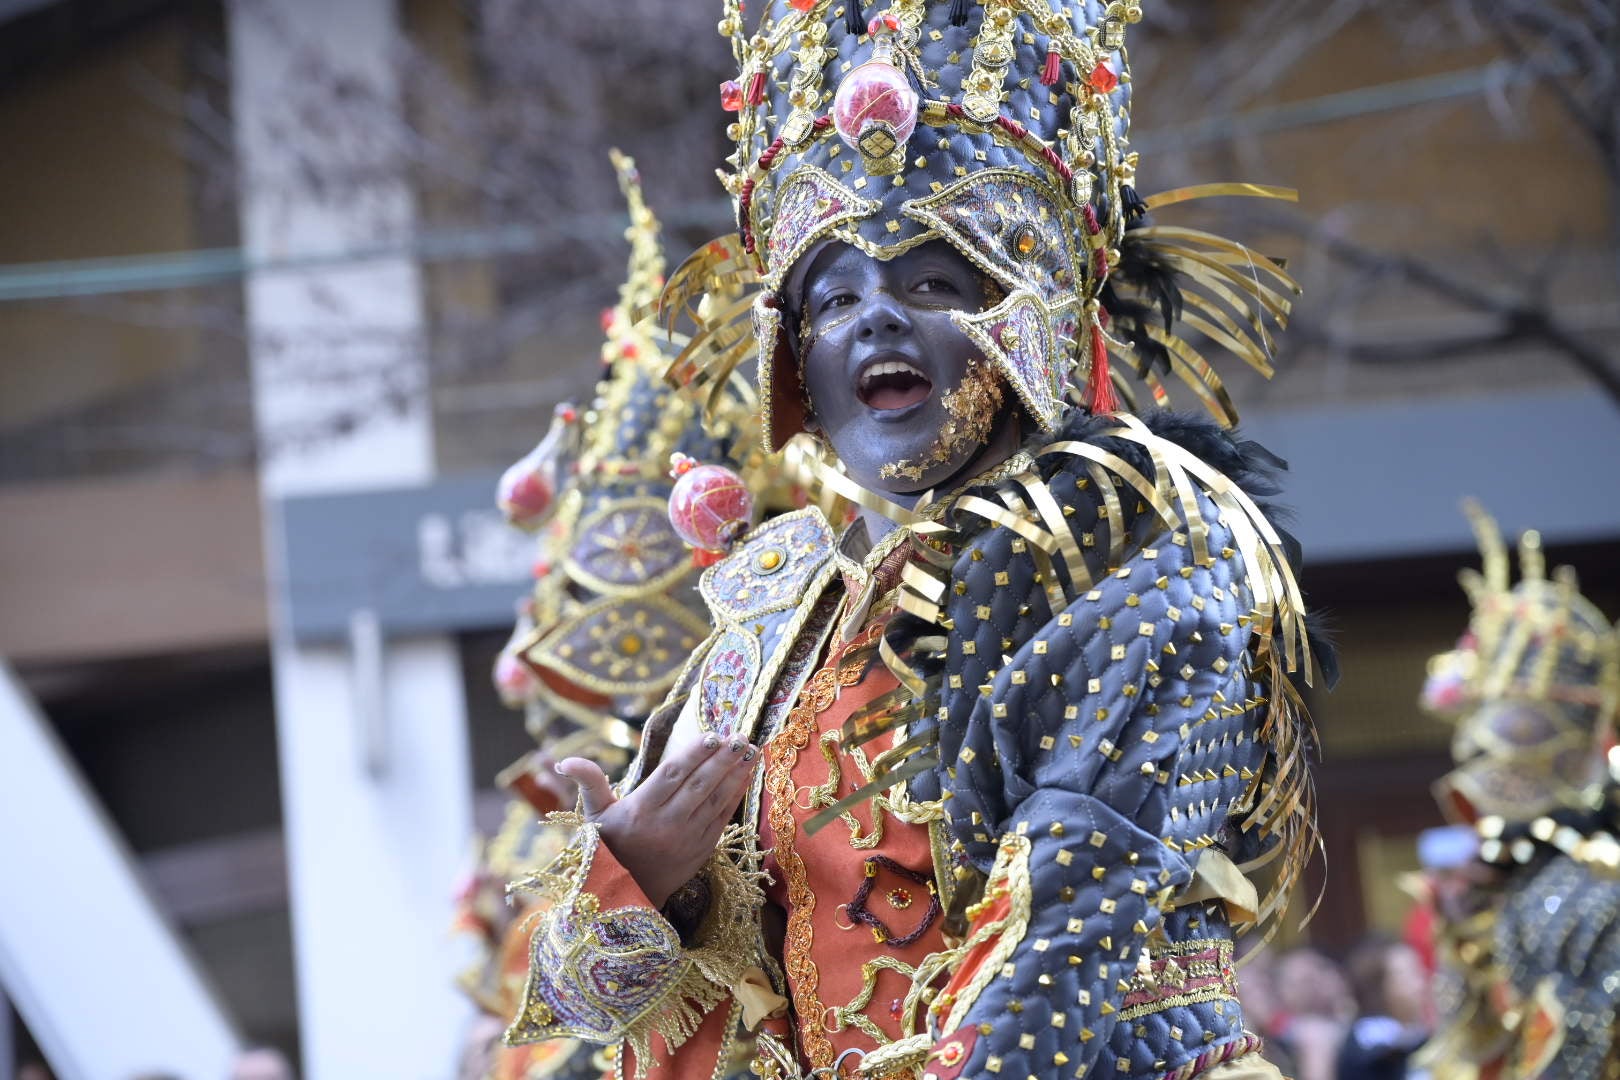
{"x":424,"y":560}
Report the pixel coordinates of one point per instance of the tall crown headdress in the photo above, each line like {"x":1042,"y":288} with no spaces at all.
{"x":1534,"y":684}
{"x":1002,"y":128}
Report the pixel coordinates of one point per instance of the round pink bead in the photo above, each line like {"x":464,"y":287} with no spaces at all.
{"x":872,"y":93}
{"x":710,"y":507}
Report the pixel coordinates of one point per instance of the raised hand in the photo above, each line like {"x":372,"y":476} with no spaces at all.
{"x":666,"y":828}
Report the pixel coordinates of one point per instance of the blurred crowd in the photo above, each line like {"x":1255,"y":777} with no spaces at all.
{"x":1361,"y":1019}
{"x":1364,"y":1015}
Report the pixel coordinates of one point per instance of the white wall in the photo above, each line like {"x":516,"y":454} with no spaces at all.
{"x":374,"y":762}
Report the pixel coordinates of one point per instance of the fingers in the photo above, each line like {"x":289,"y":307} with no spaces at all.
{"x":690,"y":800}
{"x":594,"y":790}
{"x":722,"y":802}
{"x":682,"y":760}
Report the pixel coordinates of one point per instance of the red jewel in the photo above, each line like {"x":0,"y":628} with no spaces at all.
{"x":541,"y":568}
{"x":894,"y":1007}
{"x":569,"y":414}
{"x":731,"y":95}
{"x":1102,"y":79}
{"x":801,"y":5}
{"x":631,"y":352}
{"x":883,"y":22}
{"x":607,"y":319}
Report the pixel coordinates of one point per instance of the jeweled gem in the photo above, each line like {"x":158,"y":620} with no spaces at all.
{"x":731,"y":95}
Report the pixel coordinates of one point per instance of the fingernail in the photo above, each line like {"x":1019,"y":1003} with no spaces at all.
{"x":736,"y":746}
{"x":557,"y":768}
{"x":750,"y":755}
{"x":710,"y":742}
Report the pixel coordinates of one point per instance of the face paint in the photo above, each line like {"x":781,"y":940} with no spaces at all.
{"x":901,"y":394}
{"x":973,"y":408}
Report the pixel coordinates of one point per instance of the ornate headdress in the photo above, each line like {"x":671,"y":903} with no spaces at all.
{"x":1534,"y":683}
{"x":1002,"y":128}
{"x":613,"y":616}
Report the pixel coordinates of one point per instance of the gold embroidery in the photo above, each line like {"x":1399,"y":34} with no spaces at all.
{"x":781,"y":754}
{"x":1165,"y":969}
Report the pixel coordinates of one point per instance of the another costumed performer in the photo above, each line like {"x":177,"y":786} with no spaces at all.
{"x":1032,"y":746}
{"x":1530,"y":953}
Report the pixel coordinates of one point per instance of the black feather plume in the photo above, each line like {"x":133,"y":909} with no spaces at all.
{"x":1141,"y":291}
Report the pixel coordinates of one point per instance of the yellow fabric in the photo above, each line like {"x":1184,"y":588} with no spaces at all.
{"x":759,"y":1002}
{"x":1247,"y":1067}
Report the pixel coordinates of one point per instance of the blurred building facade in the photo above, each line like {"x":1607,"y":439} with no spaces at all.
{"x":281,"y":287}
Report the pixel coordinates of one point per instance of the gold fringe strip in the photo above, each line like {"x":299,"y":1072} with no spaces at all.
{"x":1202,"y":267}
{"x":1224,"y":332}
{"x":1191,"y":368}
{"x":903,"y":750}
{"x":888,"y":780}
{"x":1177,"y":237}
{"x":1073,"y":560}
{"x":1229,"y":188}
{"x":831,"y":478}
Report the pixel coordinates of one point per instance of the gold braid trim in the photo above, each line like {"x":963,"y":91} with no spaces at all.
{"x":723,"y":951}
{"x":781,"y":754}
{"x":1010,"y":877}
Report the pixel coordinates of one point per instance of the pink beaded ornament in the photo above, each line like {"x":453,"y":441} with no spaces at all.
{"x":514,"y":681}
{"x":528,"y":488}
{"x":710,"y":507}
{"x":875,"y":109}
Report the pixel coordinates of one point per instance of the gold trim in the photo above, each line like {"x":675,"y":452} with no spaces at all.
{"x":1010,"y":873}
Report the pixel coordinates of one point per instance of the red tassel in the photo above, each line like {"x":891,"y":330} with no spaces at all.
{"x":1100,"y":397}
{"x":1053,"y":69}
{"x":756,"y":88}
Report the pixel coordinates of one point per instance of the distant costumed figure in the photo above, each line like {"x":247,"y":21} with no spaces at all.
{"x":1531,"y":952}
{"x":614,"y":612}
{"x":985,"y":782}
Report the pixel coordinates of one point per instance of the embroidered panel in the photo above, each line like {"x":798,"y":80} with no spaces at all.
{"x":628,"y":546}
{"x":1023,"y":339}
{"x":809,"y":204}
{"x":1182,"y":973}
{"x":729,"y":674}
{"x":1008,"y":222}
{"x":594,"y":973}
{"x":622,"y":646}
{"x":771,"y":569}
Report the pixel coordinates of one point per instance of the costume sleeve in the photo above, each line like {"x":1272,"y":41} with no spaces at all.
{"x":606,"y":967}
{"x":1062,"y":780}
{"x":1561,"y":936}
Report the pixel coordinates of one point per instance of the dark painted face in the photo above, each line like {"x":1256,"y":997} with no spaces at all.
{"x":885,"y":365}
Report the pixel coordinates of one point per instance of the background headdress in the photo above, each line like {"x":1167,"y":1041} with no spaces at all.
{"x":615,"y":613}
{"x":1000,"y":127}
{"x":1534,"y":684}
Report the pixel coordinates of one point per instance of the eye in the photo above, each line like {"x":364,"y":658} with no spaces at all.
{"x":933,"y":283}
{"x":836,"y":300}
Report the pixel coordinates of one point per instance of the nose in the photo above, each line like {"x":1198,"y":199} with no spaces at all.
{"x":882,"y":315}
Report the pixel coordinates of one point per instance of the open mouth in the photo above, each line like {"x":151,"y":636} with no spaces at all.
{"x":892,"y":384}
